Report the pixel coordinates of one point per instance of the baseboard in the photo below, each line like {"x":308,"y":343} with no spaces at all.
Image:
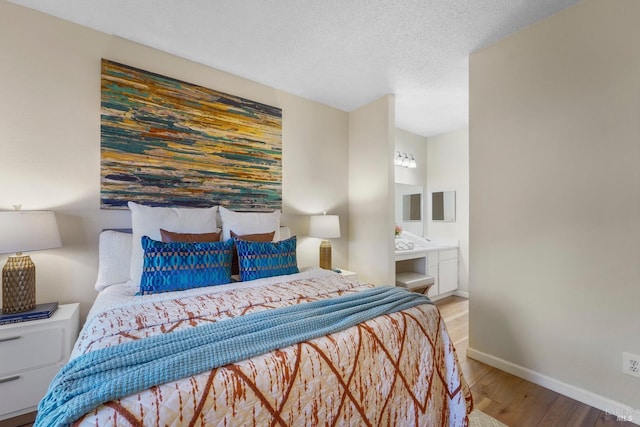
{"x":462,"y":294}
{"x":621,"y":411}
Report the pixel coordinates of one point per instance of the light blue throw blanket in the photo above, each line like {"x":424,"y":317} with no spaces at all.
{"x":110,"y":373}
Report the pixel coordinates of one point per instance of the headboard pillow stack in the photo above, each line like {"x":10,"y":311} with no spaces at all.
{"x":177,"y":237}
{"x":147,"y":221}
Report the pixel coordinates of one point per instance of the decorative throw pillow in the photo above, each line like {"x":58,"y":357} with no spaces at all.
{"x":244,"y":223}
{"x":179,"y":265}
{"x":258,"y":237}
{"x":170,"y":236}
{"x":147,"y":221}
{"x":266,"y":259}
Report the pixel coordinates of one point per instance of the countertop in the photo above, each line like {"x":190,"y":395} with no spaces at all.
{"x":423,"y":250}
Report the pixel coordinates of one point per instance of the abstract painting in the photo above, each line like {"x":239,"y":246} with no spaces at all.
{"x":165,"y":142}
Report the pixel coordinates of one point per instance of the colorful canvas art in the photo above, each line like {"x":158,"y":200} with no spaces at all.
{"x":165,"y":142}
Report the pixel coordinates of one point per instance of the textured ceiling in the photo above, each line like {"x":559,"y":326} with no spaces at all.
{"x":343,"y":53}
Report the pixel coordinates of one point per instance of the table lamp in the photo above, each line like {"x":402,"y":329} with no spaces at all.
{"x":326,"y":227}
{"x":22,"y":231}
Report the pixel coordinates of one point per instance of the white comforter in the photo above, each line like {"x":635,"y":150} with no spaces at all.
{"x":396,"y":369}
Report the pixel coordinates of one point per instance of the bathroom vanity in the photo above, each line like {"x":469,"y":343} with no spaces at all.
{"x":439,"y":261}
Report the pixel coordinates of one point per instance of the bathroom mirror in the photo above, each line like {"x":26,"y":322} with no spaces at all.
{"x":409,"y":210}
{"x":412,"y":207}
{"x":443,"y":206}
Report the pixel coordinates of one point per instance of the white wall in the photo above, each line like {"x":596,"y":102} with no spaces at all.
{"x":50,"y":142}
{"x":371,"y":191}
{"x":410,"y":143}
{"x":448,"y":170}
{"x":555,"y":202}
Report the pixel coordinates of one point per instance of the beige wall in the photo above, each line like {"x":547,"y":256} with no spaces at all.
{"x":555,"y":201}
{"x":50,"y":142}
{"x":448,"y":170}
{"x":371,"y":191}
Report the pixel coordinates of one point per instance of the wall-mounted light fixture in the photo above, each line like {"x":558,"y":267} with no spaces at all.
{"x":405,"y":161}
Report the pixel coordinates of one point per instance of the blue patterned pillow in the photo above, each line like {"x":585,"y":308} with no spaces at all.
{"x":178,"y":266}
{"x":266,"y":259}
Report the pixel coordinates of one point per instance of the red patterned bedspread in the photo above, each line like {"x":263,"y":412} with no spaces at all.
{"x":399,"y":369}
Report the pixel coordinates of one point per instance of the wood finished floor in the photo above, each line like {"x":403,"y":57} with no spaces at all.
{"x":25,"y":420}
{"x":509,"y":399}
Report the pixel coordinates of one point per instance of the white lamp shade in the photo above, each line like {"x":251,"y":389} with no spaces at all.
{"x":324,"y":226}
{"x":23,"y":231}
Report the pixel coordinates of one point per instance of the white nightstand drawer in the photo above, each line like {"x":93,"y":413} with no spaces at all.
{"x":25,"y":391}
{"x":30,"y":349}
{"x":31,"y":353}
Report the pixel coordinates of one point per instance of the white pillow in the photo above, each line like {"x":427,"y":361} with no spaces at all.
{"x":285,"y":233}
{"x":249,"y":223}
{"x":114,"y":259}
{"x":147,"y":221}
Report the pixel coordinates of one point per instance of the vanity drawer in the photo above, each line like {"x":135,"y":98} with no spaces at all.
{"x":24,"y":349}
{"x":24,"y":390}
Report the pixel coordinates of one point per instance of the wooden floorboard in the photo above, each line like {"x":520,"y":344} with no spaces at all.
{"x":25,"y":420}
{"x":510,"y":399}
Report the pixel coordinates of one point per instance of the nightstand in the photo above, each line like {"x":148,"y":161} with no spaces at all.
{"x":347,"y":273}
{"x":31,"y":354}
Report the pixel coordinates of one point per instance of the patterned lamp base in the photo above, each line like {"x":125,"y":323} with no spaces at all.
{"x":325,"y":255}
{"x":18,"y":284}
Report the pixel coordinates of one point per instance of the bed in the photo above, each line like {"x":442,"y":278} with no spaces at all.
{"x":396,"y":367}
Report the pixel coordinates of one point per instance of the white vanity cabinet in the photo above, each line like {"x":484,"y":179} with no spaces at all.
{"x":447,"y":272}
{"x":439,"y":262}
